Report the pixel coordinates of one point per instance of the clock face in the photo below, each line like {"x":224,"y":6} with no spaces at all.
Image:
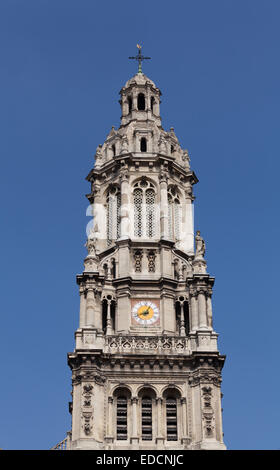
{"x":145,"y":312}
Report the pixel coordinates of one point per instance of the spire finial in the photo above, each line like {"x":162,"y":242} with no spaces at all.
{"x":140,"y":58}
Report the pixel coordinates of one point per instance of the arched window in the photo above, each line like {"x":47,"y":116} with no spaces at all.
{"x":147,"y":418}
{"x":141,"y":105}
{"x":171,"y":397}
{"x":150,"y":213}
{"x":171,"y":418}
{"x":113,"y":214}
{"x":147,"y":399}
{"x":144,"y":209}
{"x":122,"y":418}
{"x":143,"y":144}
{"x":138,"y":203}
{"x":114,"y":150}
{"x":174,"y":214}
{"x":121,"y":397}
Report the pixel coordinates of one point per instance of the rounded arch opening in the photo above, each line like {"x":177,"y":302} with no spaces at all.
{"x":143,"y":144}
{"x":121,"y":396}
{"x":141,"y":102}
{"x":147,"y":399}
{"x":171,"y":396}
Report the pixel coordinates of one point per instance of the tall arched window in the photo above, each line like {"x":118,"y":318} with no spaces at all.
{"x":147,"y":398}
{"x":143,"y":144}
{"x":147,"y":418}
{"x":121,"y":398}
{"x":174,"y":214}
{"x":113,"y":214}
{"x":122,"y":418}
{"x":171,"y":418}
{"x":141,"y":105}
{"x":144,"y":199}
{"x":171,"y":398}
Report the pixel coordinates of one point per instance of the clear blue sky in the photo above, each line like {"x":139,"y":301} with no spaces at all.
{"x":63,"y":63}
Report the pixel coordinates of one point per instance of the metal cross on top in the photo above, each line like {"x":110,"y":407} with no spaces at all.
{"x":140,"y":58}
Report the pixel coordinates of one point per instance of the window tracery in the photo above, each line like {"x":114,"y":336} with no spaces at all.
{"x":144,"y":198}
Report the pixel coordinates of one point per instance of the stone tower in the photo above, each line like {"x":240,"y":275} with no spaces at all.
{"x":146,"y":370}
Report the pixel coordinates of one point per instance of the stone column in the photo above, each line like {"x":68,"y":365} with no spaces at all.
{"x":202,"y":309}
{"x":124,"y":232}
{"x":98,"y":311}
{"x":109,"y":330}
{"x":82,"y":308}
{"x":159,"y":438}
{"x":90,"y":307}
{"x":99,"y":219}
{"x":110,"y":418}
{"x":182,"y":320}
{"x":209,"y":310}
{"x":187,"y":238}
{"x":184,"y":417}
{"x":134,"y":428}
{"x":194,"y":311}
{"x":163,"y":207}
{"x":134,"y":101}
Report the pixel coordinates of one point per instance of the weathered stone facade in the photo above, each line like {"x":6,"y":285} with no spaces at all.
{"x":146,"y":369}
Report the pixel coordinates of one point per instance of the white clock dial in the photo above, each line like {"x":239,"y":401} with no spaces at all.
{"x":145,"y":312}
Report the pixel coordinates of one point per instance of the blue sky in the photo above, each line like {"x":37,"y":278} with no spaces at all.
{"x":63,"y":63}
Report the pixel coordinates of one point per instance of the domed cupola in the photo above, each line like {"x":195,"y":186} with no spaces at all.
{"x":140,"y":97}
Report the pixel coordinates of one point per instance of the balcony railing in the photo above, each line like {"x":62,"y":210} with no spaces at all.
{"x":147,"y":344}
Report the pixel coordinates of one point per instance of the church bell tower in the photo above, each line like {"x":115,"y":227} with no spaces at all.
{"x":146,"y":370}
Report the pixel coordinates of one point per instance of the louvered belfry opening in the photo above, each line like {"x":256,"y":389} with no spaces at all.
{"x":122,"y":418}
{"x":171,"y":419}
{"x":147,"y":418}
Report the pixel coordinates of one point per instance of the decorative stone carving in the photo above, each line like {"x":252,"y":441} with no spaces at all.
{"x":186,"y":159}
{"x":147,"y":344}
{"x":124,"y":144}
{"x":151,"y":261}
{"x":91,"y":261}
{"x":98,"y":157}
{"x":199,"y":263}
{"x":199,"y":246}
{"x":205,"y":377}
{"x":87,"y":393}
{"x":90,"y":244}
{"x":161,"y":145}
{"x":208,"y":412}
{"x":138,"y":261}
{"x":87,"y":423}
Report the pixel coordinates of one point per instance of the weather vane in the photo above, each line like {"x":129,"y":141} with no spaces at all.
{"x":140,"y":58}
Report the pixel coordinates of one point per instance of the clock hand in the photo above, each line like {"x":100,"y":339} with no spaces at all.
{"x":146,"y":312}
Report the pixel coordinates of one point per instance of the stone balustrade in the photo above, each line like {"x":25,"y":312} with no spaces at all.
{"x":147,"y":344}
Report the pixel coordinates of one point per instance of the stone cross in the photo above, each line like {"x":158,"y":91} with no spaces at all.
{"x":140,"y":58}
